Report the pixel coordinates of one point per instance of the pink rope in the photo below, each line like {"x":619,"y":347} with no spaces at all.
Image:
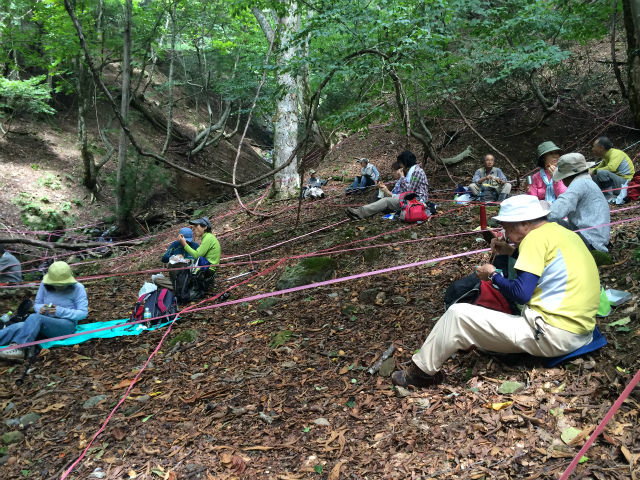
{"x":600,"y":427}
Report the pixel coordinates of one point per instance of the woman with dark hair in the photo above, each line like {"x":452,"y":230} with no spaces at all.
{"x":61,"y":302}
{"x":542,"y":185}
{"x":209,"y":248}
{"x":412,"y":179}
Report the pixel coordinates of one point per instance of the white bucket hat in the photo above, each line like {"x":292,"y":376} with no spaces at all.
{"x":520,"y":208}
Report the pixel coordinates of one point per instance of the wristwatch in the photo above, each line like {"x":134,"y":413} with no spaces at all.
{"x":491,"y":275}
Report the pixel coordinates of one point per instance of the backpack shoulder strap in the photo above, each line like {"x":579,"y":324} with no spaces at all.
{"x":161,"y":306}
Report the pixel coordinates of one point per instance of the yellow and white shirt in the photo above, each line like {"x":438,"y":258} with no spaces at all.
{"x":568,"y":291}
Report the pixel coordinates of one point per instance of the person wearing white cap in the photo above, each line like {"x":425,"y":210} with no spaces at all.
{"x":557,"y":281}
{"x":582,"y":203}
{"x":313,"y":186}
{"x":61,"y":302}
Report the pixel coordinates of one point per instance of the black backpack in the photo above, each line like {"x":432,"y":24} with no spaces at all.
{"x":189,"y":287}
{"x":24,"y":310}
{"x":161,"y":303}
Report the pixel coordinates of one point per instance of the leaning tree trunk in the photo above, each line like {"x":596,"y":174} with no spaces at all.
{"x":631,"y":10}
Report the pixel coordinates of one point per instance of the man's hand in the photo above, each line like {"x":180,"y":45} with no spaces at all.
{"x":501,"y":247}
{"x":489,"y":177}
{"x":182,"y":240}
{"x":48,"y":311}
{"x":484,"y":271}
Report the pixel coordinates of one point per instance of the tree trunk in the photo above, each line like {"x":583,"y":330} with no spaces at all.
{"x":287,"y":180}
{"x":90,"y":174}
{"x":123,"y":206}
{"x":631,"y":10}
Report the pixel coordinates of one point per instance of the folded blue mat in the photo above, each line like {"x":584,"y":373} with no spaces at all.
{"x":598,"y":342}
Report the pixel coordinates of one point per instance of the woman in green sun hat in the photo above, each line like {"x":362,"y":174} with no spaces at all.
{"x":61,"y":302}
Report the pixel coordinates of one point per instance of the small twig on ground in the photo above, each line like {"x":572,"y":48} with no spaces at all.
{"x":376,"y":366}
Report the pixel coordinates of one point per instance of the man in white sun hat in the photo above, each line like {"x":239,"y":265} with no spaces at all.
{"x":557,"y":281}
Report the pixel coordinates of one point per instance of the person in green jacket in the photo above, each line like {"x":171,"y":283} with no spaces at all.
{"x":209,"y":248}
{"x":615,"y":169}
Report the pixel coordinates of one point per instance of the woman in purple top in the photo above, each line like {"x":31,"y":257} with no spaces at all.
{"x":542,"y":185}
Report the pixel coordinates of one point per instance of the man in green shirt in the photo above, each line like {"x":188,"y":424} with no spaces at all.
{"x":615,"y":169}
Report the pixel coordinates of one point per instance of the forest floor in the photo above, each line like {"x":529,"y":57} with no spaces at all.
{"x":278,"y":388}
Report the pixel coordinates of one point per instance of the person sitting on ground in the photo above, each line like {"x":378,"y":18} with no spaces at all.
{"x":61,"y":302}
{"x":313,"y":186}
{"x":368,"y":176}
{"x":177,"y":249}
{"x":556,"y":279}
{"x":615,"y":169}
{"x":10,"y":270}
{"x":208,"y":253}
{"x":542,"y":184}
{"x":412,"y":179}
{"x":490,"y":179}
{"x":581,"y":203}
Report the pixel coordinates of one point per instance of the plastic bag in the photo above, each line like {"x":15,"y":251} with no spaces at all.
{"x":148,"y":287}
{"x":463,"y":199}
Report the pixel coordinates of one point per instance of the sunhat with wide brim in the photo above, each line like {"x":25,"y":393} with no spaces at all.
{"x":520,"y":208}
{"x":204,"y":221}
{"x":571,"y":164}
{"x":59,"y":275}
{"x":544,"y":148}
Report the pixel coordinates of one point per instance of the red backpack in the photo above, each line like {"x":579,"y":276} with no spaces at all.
{"x":412,"y":210}
{"x":633,"y":190}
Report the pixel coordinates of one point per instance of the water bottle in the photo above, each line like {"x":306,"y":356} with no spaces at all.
{"x":147,"y":314}
{"x":6,"y":317}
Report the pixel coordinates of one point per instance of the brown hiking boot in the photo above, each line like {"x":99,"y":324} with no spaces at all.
{"x":415,"y":377}
{"x":353,"y":213}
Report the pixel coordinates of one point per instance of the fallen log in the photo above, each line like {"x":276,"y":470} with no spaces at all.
{"x":68,"y":246}
{"x":458,"y":158}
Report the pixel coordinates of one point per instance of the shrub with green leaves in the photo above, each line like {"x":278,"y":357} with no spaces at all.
{"x":30,"y":95}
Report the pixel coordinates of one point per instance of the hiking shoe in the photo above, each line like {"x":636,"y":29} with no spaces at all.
{"x":353,"y":213}
{"x":415,"y":377}
{"x":13,"y":355}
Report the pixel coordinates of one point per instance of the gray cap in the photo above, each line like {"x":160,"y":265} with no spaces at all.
{"x":363,"y":160}
{"x":571,"y":164}
{"x":204,"y":221}
{"x":546,"y":147}
{"x":312,"y":171}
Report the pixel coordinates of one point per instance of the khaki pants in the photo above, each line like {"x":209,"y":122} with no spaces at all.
{"x":465,"y":325}
{"x":386,"y":204}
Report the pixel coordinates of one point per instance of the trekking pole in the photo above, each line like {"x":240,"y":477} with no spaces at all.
{"x":34,"y":350}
